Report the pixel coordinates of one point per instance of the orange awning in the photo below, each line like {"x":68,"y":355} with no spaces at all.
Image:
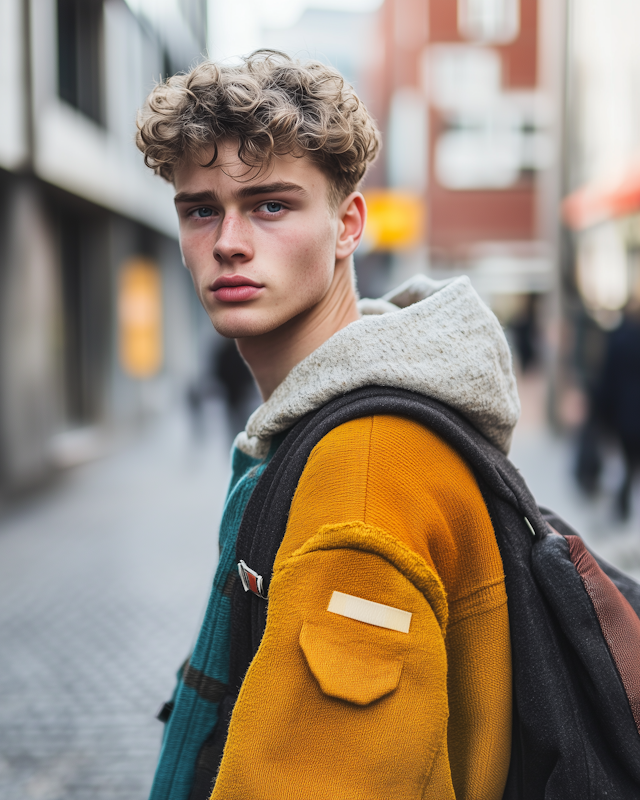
{"x":599,"y":202}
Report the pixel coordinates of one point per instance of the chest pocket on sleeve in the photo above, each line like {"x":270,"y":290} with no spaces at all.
{"x":353,"y":665}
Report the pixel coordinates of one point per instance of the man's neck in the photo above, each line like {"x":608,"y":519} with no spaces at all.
{"x":273,"y":355}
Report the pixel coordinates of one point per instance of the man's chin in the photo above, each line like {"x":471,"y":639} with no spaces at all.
{"x":243,"y":327}
{"x":249,"y":322}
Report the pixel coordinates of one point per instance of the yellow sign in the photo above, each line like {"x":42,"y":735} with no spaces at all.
{"x":395,"y":219}
{"x":140,"y":318}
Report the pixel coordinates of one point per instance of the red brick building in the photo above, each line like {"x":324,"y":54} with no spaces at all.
{"x":457,"y":90}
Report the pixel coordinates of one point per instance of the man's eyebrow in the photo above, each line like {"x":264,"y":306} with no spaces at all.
{"x":209,"y":196}
{"x":271,"y":188}
{"x":196,"y":197}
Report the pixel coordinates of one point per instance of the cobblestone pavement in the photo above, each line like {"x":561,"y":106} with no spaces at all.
{"x":102,"y":582}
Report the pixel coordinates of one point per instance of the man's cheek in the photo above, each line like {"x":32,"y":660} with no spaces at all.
{"x":182,"y":258}
{"x":195,"y":261}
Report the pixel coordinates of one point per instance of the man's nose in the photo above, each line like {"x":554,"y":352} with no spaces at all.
{"x":234,"y":240}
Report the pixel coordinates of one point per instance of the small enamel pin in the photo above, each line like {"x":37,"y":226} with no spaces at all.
{"x":251,"y":581}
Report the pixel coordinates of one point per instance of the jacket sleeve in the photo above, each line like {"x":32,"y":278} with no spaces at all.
{"x":348,"y":696}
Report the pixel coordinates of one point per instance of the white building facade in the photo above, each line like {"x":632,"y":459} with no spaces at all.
{"x":77,"y":207}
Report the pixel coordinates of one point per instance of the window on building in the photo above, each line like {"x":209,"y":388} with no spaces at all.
{"x":493,"y":147}
{"x":86,"y":311}
{"x":494,"y":21}
{"x":80,"y":56}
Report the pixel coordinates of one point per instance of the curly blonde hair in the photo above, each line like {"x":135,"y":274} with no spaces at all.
{"x":272,"y":105}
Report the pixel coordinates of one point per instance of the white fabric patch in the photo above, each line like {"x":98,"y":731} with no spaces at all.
{"x":346,"y":605}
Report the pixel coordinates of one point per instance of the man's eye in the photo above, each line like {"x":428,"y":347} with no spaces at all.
{"x":202,"y":212}
{"x":272,"y":208}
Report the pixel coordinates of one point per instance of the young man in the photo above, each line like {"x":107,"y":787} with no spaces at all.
{"x":267,"y":159}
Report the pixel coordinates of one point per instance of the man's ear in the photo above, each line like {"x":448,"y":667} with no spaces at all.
{"x":352,"y":215}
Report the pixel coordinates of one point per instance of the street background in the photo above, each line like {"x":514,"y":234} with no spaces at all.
{"x":511,"y":154}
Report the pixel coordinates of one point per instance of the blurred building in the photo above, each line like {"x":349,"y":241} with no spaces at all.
{"x":602,"y":175}
{"x":96,"y":312}
{"x":469,"y":94}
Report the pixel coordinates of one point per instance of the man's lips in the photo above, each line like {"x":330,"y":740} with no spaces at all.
{"x":235,"y":288}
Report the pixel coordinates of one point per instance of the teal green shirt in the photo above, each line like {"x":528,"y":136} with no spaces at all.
{"x":202,"y":682}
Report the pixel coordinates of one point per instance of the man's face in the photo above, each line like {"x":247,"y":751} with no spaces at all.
{"x":261,"y":248}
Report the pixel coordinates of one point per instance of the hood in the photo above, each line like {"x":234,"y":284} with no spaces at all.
{"x":437,"y":338}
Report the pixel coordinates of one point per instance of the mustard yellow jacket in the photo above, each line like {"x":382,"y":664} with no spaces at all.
{"x":336,"y":707}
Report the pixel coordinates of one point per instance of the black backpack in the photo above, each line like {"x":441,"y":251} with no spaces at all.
{"x":574,"y":619}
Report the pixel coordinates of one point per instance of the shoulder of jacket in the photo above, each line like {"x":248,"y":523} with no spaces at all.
{"x":384,"y":436}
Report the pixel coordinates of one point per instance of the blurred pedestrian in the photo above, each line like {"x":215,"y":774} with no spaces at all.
{"x":591,"y":440}
{"x":617,"y":396}
{"x":226,"y":376}
{"x":524,"y":331}
{"x":237,"y":381}
{"x":589,"y":461}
